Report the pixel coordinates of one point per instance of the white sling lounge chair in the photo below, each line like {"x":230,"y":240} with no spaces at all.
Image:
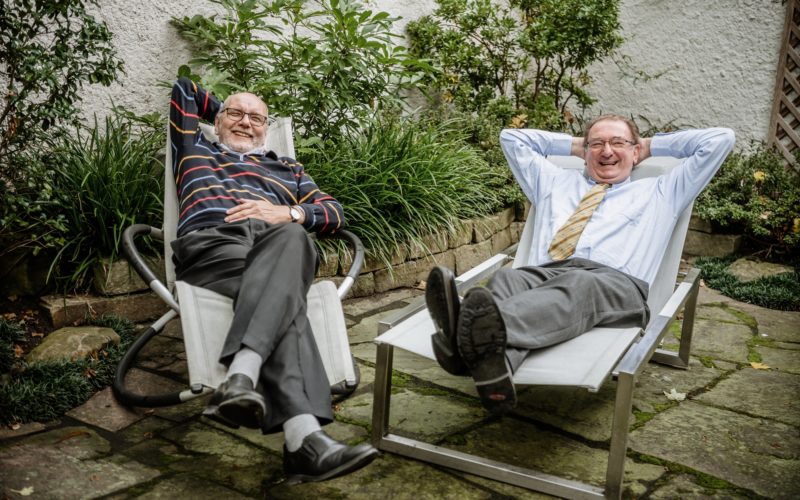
{"x":586,"y":361}
{"x":206,"y":315}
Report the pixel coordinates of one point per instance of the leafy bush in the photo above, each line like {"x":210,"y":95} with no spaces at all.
{"x":44,"y":391}
{"x":483,"y":133}
{"x":527,"y":58}
{"x":776,"y":292}
{"x":85,"y":189}
{"x":48,"y":52}
{"x":9,"y":334}
{"x":329,"y":67}
{"x":400,"y":180}
{"x":755,"y":193}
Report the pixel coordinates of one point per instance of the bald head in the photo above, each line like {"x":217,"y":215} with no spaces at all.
{"x":239,"y":132}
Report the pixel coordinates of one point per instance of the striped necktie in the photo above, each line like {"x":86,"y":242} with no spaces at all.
{"x":566,"y":238}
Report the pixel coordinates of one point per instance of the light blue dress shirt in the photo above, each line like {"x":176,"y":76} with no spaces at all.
{"x":630,"y":229}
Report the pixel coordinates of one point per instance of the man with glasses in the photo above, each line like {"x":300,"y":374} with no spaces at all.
{"x":244,"y":214}
{"x":600,"y":239}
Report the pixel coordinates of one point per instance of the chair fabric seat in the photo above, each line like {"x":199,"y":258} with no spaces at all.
{"x":585,"y":361}
{"x":210,"y":317}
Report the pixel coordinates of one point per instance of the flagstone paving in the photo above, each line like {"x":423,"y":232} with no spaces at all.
{"x":735,"y":436}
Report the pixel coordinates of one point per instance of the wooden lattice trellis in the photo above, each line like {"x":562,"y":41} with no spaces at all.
{"x":784,"y":132}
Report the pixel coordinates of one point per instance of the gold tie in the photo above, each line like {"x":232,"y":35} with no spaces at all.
{"x":566,"y":238}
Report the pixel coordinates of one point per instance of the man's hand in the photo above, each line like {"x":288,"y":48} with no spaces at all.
{"x":259,"y":209}
{"x":644,"y":151}
{"x":577,"y":147}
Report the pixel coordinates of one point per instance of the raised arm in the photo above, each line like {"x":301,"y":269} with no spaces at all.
{"x":704,"y":151}
{"x":188,"y":105}
{"x":526,"y":151}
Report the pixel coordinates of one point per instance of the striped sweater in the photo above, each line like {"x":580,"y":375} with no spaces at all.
{"x":210,"y":179}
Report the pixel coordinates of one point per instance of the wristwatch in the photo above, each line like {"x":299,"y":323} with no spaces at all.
{"x":295,"y":213}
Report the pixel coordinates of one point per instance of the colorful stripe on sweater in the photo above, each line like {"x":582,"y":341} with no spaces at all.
{"x":211,"y":179}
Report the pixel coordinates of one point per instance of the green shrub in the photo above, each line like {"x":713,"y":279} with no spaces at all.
{"x":82,"y":190}
{"x":775,"y":292}
{"x":482,"y":132}
{"x":400,"y":180}
{"x":48,"y":52}
{"x":44,"y":391}
{"x":756,"y":194}
{"x":329,"y":65}
{"x":530,"y":56}
{"x":9,"y":334}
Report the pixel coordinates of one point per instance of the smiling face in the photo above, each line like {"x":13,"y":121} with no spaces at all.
{"x":611,"y":165}
{"x":242,"y":135}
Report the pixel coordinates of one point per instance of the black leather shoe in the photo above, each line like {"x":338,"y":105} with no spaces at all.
{"x":236,"y":403}
{"x":482,"y":344}
{"x":441,"y":297}
{"x":321,"y":457}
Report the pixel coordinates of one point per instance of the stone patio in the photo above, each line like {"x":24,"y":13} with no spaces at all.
{"x":734,"y":436}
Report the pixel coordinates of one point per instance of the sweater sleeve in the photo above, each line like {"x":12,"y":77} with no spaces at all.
{"x":323,"y":214}
{"x":189,"y":104}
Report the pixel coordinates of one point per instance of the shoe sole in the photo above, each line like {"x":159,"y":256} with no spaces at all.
{"x":245,"y":410}
{"x":441,"y":297}
{"x":212,"y":412}
{"x":482,"y":344}
{"x":351,"y":465}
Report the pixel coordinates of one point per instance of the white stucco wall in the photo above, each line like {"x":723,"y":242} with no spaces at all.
{"x":153,"y":51}
{"x":718,"y":58}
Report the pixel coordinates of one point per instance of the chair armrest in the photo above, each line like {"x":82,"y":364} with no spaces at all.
{"x":358,"y":259}
{"x":140,"y":266}
{"x":642,"y":351}
{"x":463,"y":282}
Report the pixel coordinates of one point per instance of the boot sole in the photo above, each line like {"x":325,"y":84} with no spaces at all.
{"x":482,"y":344}
{"x":441,"y":297}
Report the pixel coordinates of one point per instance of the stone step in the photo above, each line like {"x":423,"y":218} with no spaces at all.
{"x":68,"y":310}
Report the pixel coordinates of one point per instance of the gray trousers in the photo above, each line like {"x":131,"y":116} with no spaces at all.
{"x":545,"y":305}
{"x":267,"y":270}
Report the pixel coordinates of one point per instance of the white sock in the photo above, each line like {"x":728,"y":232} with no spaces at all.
{"x":247,"y":362}
{"x":297,"y":428}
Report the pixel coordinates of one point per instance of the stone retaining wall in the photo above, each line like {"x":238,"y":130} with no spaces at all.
{"x":475,"y":241}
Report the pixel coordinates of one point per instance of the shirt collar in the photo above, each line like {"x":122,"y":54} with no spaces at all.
{"x":253,"y":152}
{"x":592,"y":182}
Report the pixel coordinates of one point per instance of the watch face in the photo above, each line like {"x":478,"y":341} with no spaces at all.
{"x":295,"y":214}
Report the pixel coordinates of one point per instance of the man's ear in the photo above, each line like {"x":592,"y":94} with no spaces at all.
{"x":216,"y":125}
{"x":637,"y":149}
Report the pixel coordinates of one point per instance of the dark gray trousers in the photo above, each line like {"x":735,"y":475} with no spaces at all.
{"x":545,"y":305}
{"x":267,"y":270}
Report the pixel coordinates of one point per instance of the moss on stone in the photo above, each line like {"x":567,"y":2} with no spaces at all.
{"x":641,"y":418}
{"x":675,"y":329}
{"x":706,"y":361}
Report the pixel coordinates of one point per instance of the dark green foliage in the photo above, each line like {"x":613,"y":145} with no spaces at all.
{"x":48,"y":52}
{"x":755,"y":193}
{"x":44,"y":391}
{"x":85,"y":190}
{"x":328,"y":64}
{"x":775,"y":292}
{"x":483,"y":133}
{"x":9,"y":334}
{"x":529,"y":56}
{"x":400,"y":180}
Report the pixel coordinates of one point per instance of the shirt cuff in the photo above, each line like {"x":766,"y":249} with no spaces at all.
{"x":660,"y":145}
{"x":560,"y":144}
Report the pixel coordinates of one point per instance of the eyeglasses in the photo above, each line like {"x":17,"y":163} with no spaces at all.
{"x":237,"y":114}
{"x":614,"y":142}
